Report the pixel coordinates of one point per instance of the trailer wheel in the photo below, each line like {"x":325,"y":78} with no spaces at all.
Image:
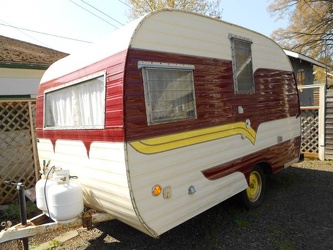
{"x":254,"y":194}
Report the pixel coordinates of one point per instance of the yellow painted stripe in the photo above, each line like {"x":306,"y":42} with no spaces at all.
{"x":174,"y":141}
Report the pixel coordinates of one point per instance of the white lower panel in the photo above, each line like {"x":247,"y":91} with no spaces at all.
{"x":102,"y":175}
{"x":118,"y":180}
{"x":181,"y":168}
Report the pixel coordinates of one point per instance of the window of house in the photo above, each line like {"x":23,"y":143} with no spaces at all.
{"x":242,"y":64}
{"x":76,"y":105}
{"x":169,"y":92}
{"x":300,"y":76}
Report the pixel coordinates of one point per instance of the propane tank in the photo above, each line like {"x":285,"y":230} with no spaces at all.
{"x":64,"y":197}
{"x":41,"y":186}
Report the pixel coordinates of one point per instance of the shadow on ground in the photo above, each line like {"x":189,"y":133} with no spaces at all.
{"x":296,"y":214}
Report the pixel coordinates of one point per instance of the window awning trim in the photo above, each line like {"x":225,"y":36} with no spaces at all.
{"x":79,"y":80}
{"x":146,"y":64}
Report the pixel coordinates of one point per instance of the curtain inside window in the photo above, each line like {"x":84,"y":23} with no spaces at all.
{"x":79,"y":106}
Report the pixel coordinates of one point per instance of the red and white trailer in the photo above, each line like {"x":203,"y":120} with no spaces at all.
{"x":171,"y":115}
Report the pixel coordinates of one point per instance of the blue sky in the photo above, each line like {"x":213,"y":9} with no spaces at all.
{"x":252,"y":15}
{"x":67,"y":18}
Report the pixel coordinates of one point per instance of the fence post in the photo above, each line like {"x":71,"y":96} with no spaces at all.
{"x":321,"y":122}
{"x":33,"y":140}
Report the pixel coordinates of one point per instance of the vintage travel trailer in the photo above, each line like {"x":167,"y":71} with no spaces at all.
{"x":169,"y":116}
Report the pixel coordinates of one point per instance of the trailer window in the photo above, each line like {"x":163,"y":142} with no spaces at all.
{"x":169,"y":93}
{"x":242,"y":64}
{"x":78,"y":105}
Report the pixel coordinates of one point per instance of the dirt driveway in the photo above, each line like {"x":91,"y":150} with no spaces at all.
{"x":296,"y":214}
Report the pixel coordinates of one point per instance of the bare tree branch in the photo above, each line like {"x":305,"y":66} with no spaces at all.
{"x":310,"y":30}
{"x":205,"y":7}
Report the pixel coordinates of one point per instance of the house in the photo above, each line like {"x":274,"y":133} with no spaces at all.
{"x":22,"y":65}
{"x":315,"y":100}
{"x":304,"y":72}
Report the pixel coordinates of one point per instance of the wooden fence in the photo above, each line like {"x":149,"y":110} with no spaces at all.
{"x":18,"y":154}
{"x":310,"y":131}
{"x":329,"y":125}
{"x":313,"y":124}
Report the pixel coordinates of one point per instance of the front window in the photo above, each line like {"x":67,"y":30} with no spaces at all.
{"x":242,"y":64}
{"x":77,"y":105}
{"x":169,"y":92}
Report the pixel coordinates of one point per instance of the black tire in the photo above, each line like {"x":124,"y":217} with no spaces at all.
{"x":253,"y":196}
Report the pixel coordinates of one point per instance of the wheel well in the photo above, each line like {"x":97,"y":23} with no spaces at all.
{"x":266,"y":167}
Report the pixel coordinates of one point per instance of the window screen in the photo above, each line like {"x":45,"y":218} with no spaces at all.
{"x":169,"y":94}
{"x":78,"y":106}
{"x":242,"y":64}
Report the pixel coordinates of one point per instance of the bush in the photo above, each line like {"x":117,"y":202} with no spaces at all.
{"x":12,"y":211}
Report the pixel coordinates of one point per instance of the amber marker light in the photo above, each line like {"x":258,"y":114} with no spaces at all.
{"x":156,"y":190}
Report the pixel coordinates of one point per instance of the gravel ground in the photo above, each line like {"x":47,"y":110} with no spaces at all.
{"x":297,"y":214}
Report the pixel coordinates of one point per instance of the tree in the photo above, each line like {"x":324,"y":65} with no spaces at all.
{"x":310,"y":31}
{"x":311,"y":26}
{"x":141,"y":7}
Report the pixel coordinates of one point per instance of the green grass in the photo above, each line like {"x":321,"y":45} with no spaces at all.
{"x":52,"y":245}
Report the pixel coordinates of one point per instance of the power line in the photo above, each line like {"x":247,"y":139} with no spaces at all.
{"x":102,"y":12}
{"x":93,"y":13}
{"x":8,"y":25}
{"x":142,"y":6}
{"x":39,"y":32}
{"x":20,"y":29}
{"x":126,"y":4}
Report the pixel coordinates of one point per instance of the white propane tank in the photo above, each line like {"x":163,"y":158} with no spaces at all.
{"x":64,"y":197}
{"x":40,"y":194}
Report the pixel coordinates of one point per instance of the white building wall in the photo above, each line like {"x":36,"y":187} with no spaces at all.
{"x":19,"y":81}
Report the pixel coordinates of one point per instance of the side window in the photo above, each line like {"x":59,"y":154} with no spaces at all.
{"x":169,"y":92}
{"x":300,"y":77}
{"x":242,"y":64}
{"x":76,"y":105}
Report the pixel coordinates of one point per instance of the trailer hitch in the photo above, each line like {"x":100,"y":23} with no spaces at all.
{"x":41,"y":224}
{"x":6,"y":224}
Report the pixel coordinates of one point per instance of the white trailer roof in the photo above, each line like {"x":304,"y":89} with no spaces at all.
{"x":117,"y":41}
{"x":177,"y":32}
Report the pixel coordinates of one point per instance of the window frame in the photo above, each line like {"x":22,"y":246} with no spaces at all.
{"x":74,"y":83}
{"x":245,"y":41}
{"x":145,"y":67}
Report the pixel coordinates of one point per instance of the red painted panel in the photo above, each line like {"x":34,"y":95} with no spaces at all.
{"x":86,"y":136}
{"x":275,"y":96}
{"x":114,"y":67}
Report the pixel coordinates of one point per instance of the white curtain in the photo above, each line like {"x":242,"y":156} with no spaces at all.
{"x":79,"y":106}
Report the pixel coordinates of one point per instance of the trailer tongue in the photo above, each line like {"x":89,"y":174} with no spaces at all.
{"x":62,"y":208}
{"x":42,"y":224}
